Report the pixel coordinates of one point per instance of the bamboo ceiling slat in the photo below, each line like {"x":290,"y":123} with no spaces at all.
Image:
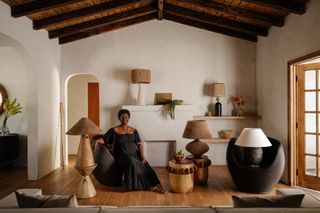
{"x":238,"y":14}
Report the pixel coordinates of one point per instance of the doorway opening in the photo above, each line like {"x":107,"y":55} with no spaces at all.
{"x":304,"y":121}
{"x":82,"y":100}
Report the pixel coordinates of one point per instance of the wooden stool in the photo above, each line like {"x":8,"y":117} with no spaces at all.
{"x":202,"y":164}
{"x":181,"y":175}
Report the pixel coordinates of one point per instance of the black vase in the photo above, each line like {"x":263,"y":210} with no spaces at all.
{"x":218,"y":109}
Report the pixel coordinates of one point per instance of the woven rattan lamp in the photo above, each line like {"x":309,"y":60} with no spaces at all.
{"x":217,"y":90}
{"x":197,"y":129}
{"x":85,"y":163}
{"x":140,"y":77}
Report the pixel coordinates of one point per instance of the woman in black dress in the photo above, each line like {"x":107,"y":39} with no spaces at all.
{"x":128,"y":153}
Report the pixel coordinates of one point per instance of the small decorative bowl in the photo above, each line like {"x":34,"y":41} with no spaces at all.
{"x":225,"y":133}
{"x":178,"y":158}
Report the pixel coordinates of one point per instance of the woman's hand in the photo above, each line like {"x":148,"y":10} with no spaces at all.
{"x":144,"y":159}
{"x":96,"y":142}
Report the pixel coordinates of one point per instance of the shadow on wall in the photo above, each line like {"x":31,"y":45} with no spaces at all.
{"x":124,"y":76}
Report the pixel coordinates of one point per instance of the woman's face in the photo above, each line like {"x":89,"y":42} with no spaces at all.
{"x":124,"y":118}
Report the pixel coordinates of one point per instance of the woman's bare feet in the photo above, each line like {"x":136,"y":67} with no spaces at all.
{"x":158,"y":188}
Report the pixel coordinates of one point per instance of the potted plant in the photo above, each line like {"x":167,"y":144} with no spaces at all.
{"x":168,"y":107}
{"x":179,"y":156}
{"x":10,"y":109}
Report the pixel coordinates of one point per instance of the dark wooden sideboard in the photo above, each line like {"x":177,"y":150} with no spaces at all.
{"x":9,"y":149}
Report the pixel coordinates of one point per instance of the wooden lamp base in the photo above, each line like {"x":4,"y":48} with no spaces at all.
{"x":86,"y":188}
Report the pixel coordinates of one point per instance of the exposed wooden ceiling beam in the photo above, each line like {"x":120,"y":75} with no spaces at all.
{"x":106,"y":28}
{"x":213,"y":28}
{"x":76,"y":14}
{"x":214,"y":20}
{"x":235,"y":11}
{"x":160,"y":9}
{"x":38,"y":6}
{"x":287,"y":6}
{"x":102,"y":21}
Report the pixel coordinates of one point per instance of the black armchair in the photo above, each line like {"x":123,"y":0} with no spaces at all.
{"x":107,"y":172}
{"x":256,"y":179}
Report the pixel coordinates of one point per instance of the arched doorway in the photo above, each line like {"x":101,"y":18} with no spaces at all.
{"x":82,"y":100}
{"x":16,"y":77}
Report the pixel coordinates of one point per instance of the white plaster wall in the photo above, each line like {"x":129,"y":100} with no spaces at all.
{"x":182,"y":60}
{"x":42,"y":62}
{"x":77,"y":105}
{"x":299,"y":37}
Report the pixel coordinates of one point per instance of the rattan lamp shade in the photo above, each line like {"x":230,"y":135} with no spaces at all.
{"x":141,"y":76}
{"x":83,"y":127}
{"x":197,"y":129}
{"x":217,"y":90}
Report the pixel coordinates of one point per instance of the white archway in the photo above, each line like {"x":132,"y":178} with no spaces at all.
{"x":17,"y":78}
{"x":76,"y":106}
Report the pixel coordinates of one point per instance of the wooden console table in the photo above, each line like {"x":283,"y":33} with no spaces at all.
{"x":9,"y":149}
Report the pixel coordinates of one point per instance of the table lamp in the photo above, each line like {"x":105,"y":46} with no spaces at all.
{"x":252,"y":140}
{"x":217,"y":90}
{"x":85,"y":163}
{"x":197,"y":129}
{"x":140,"y":77}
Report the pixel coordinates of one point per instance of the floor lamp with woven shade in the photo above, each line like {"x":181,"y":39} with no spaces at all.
{"x":197,"y":129}
{"x":85,"y":163}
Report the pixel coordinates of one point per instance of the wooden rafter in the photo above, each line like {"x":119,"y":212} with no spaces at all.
{"x":106,"y":28}
{"x":235,"y":11}
{"x":214,"y":20}
{"x":76,"y":14}
{"x":213,"y":28}
{"x":287,"y":6}
{"x":119,"y":17}
{"x":160,"y":9}
{"x":38,"y":6}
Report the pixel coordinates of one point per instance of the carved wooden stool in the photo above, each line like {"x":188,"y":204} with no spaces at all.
{"x":181,"y":175}
{"x":202,"y":164}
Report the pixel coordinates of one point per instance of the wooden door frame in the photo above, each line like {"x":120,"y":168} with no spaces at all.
{"x":292,"y":115}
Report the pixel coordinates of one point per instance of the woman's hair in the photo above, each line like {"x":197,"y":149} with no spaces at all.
{"x":123,"y":111}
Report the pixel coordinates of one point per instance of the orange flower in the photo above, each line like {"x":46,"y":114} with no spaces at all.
{"x":239,"y":100}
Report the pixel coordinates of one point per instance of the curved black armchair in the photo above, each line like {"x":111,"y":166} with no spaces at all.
{"x":107,"y":172}
{"x":256,"y":179}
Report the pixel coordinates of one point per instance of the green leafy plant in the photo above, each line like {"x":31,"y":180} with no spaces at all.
{"x":169,"y":107}
{"x":179,"y":153}
{"x":10,"y":109}
{"x":179,"y":156}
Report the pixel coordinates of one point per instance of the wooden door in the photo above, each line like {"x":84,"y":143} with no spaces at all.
{"x":93,"y":103}
{"x":308,"y":99}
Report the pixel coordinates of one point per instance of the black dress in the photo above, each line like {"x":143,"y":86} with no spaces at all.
{"x":136,"y":174}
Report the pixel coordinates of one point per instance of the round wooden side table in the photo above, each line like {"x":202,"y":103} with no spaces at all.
{"x":181,"y":175}
{"x":202,"y":164}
